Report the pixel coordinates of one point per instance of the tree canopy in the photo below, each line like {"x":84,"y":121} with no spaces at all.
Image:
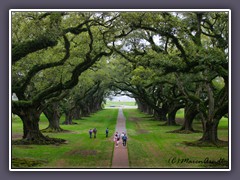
{"x":165,"y":60}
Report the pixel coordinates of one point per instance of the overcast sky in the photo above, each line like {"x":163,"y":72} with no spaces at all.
{"x":123,"y":98}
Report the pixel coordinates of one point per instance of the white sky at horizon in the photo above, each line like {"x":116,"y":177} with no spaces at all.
{"x":122,"y":98}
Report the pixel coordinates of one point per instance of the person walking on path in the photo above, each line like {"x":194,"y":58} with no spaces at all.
{"x":124,"y":138}
{"x":120,"y":153}
{"x":107,"y":132}
{"x":116,"y":139}
{"x":90,"y":133}
{"x":95,"y":132}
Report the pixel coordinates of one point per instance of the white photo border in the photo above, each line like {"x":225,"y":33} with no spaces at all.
{"x":117,"y":10}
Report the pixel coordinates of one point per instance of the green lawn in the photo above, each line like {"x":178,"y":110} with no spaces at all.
{"x":149,"y":144}
{"x":119,"y":103}
{"x":81,"y":151}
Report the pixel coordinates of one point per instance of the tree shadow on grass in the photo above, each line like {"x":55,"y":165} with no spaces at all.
{"x":166,"y":124}
{"x":50,"y":130}
{"x":148,"y":117}
{"x":179,"y":131}
{"x":199,"y":143}
{"x":46,"y":141}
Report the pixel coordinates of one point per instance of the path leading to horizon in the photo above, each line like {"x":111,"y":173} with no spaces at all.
{"x":120,"y":154}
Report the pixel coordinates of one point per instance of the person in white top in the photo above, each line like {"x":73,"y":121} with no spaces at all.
{"x":122,"y":136}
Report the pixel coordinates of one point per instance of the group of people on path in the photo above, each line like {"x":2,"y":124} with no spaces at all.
{"x":117,"y":136}
{"x":121,"y":136}
{"x":94,"y":132}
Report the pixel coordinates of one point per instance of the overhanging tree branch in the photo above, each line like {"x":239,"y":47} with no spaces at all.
{"x":38,"y":68}
{"x":22,"y":49}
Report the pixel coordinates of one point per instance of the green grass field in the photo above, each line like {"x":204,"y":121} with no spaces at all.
{"x":149,"y":144}
{"x":80,"y":151}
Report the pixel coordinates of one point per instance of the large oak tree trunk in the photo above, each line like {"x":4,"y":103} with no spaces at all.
{"x":140,"y":105}
{"x":211,"y":121}
{"x":68,"y":117}
{"x":76,"y":113}
{"x":30,"y":119}
{"x":53,"y":115}
{"x":143,"y":107}
{"x":149,"y":110}
{"x":31,"y":132}
{"x":190,"y":113}
{"x":171,"y":117}
{"x":210,"y":132}
{"x":160,"y":115}
{"x":85,"y":111}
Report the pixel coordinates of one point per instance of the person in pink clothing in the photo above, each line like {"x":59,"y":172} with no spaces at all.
{"x":116,"y":139}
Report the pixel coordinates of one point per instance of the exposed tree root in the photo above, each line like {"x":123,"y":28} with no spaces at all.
{"x":53,"y":130}
{"x":166,"y":124}
{"x":67,"y":123}
{"x":179,"y":131}
{"x":200,"y":143}
{"x":39,"y":141}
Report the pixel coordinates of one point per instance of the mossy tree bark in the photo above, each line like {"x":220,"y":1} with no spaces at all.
{"x":210,"y":132}
{"x":213,"y":111}
{"x":190,"y":112}
{"x":77,"y":113}
{"x":53,"y":115}
{"x":210,"y":126}
{"x":30,"y":117}
{"x":172,"y":114}
{"x":160,"y":114}
{"x":68,"y":117}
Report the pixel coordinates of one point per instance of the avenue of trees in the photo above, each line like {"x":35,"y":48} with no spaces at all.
{"x":67,"y":63}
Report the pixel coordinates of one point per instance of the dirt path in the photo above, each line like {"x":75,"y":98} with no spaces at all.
{"x":120,"y":154}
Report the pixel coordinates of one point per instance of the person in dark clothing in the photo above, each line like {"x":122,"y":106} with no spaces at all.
{"x":107,"y":132}
{"x":90,"y":133}
{"x":95,"y":132}
{"x":124,"y":138}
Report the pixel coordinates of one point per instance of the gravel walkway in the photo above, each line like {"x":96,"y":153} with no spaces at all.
{"x":120,"y":154}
